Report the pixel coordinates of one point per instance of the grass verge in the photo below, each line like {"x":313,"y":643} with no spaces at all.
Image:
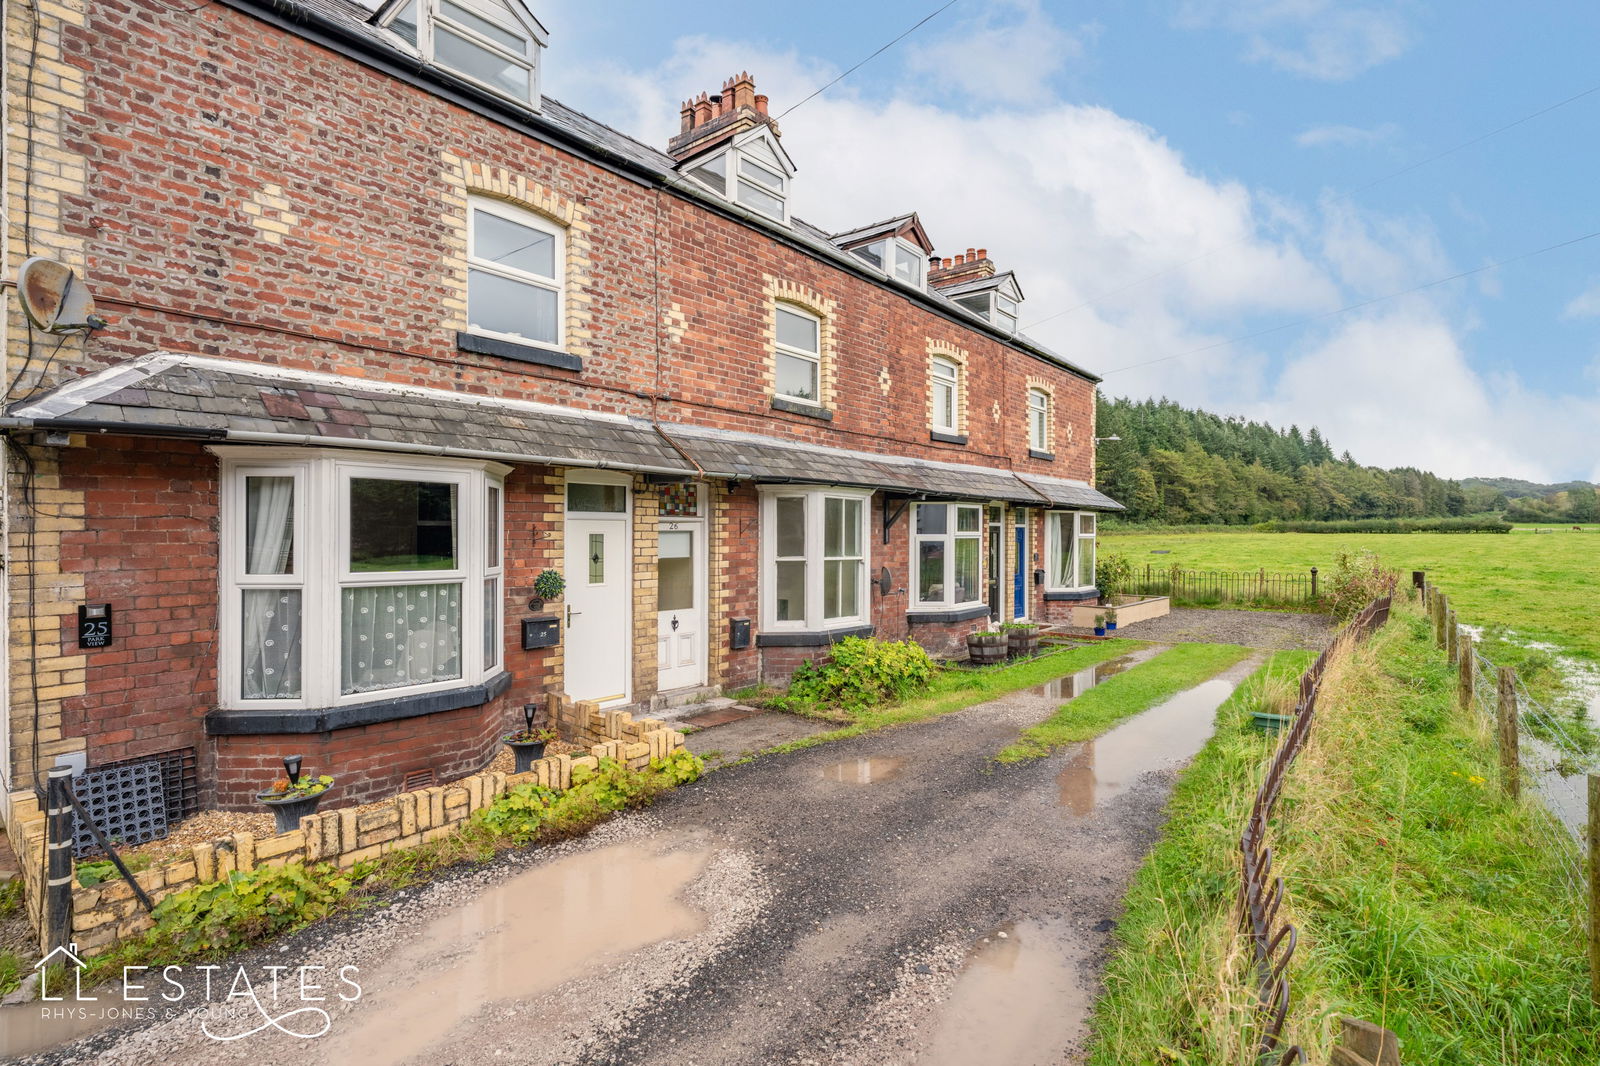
{"x":955,"y":689}
{"x":1426,"y":902}
{"x":1166,"y":996}
{"x":1137,"y":690}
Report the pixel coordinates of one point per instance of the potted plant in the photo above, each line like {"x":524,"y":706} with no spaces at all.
{"x":294,"y":796}
{"x":527,"y":744}
{"x":549,"y":585}
{"x":1111,"y":620}
{"x":1100,"y":625}
{"x":1022,"y":638}
{"x":987,"y":646}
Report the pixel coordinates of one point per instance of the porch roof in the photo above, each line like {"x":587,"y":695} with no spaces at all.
{"x":752,"y":457}
{"x":164,"y":394}
{"x":1078,"y":495}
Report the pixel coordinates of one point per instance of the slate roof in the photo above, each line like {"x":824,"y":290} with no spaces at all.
{"x":1078,"y":495}
{"x":993,"y":281}
{"x":224,"y":399}
{"x":752,"y":457}
{"x":354,"y":19}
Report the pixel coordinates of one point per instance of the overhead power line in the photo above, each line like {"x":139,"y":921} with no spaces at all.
{"x":929,"y":17}
{"x":1164,"y":271}
{"x":1357,"y":306}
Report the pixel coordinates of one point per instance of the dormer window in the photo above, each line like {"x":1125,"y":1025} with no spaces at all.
{"x":899,"y":259}
{"x":493,"y":43}
{"x":994,"y":299}
{"x":752,"y":172}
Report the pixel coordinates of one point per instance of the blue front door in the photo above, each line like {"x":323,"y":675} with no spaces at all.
{"x":1019,"y":584}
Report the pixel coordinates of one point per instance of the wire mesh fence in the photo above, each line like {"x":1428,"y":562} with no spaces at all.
{"x":1261,"y":893}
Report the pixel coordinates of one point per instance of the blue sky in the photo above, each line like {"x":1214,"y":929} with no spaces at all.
{"x":1171,"y":176}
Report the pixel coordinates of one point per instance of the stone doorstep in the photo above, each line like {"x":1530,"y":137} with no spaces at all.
{"x":709,"y":719}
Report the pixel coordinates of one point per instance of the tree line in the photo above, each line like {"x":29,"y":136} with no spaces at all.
{"x":1175,"y":465}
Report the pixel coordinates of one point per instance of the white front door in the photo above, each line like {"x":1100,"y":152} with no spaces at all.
{"x":680,"y":603}
{"x":598,"y":640}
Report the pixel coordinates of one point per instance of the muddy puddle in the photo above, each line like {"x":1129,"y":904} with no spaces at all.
{"x":864,"y":771}
{"x":1020,"y":1000}
{"x":1168,"y":734}
{"x":1074,"y":685}
{"x":517,"y":940}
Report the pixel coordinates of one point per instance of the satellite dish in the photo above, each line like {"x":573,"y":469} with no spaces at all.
{"x":53,"y":298}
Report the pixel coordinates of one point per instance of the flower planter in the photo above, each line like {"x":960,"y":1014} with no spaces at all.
{"x":987,"y":648}
{"x":1111,"y":627}
{"x":287,"y":810}
{"x":526,"y":752}
{"x":1099,"y":631}
{"x":1023,"y":641}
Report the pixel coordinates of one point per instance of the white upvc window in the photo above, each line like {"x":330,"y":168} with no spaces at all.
{"x":945,"y":381}
{"x":351,"y":577}
{"x":797,"y":374}
{"x":946,"y":553}
{"x":814,"y":558}
{"x":1070,"y":550}
{"x":489,"y":42}
{"x":751,"y":173}
{"x":992,"y":306}
{"x":516,"y":271}
{"x":1039,"y":420}
{"x":898,"y":259}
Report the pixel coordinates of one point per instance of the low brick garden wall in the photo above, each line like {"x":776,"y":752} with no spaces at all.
{"x":108,"y":913}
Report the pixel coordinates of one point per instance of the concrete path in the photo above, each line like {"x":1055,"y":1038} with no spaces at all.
{"x":1276,"y":630}
{"x":894,"y":898}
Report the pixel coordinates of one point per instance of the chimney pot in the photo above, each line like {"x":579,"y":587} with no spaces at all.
{"x":970,"y":252}
{"x":760,"y":103}
{"x":983,"y":253}
{"x":686,"y":114}
{"x":947,"y":264}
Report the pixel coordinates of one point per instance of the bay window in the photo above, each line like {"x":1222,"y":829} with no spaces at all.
{"x":350,"y":578}
{"x":814,"y":558}
{"x":946,"y":554}
{"x":1070,"y":549}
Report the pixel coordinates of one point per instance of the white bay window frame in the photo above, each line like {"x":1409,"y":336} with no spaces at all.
{"x":816,"y":555}
{"x":321,"y":570}
{"x":1075,"y":531}
{"x":951,"y":538}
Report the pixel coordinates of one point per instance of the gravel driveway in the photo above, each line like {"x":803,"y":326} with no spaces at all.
{"x":1274,"y":630}
{"x":892,"y":898}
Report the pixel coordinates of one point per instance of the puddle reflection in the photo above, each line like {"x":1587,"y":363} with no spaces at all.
{"x":864,"y":771}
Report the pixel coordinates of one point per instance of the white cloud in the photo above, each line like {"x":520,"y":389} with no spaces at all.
{"x":1006,"y":53}
{"x":1105,"y":220}
{"x":1327,"y":40}
{"x":1346,"y":136}
{"x":1586,"y":304}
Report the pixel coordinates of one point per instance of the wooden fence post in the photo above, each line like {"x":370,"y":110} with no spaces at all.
{"x":1440,"y":604}
{"x":1594,"y":889}
{"x":1510,"y":767}
{"x":1468,"y":672}
{"x":1452,"y":639}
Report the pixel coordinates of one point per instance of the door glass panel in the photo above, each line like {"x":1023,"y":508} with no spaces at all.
{"x":597,"y":558}
{"x":402,"y":525}
{"x":597,"y":499}
{"x":675,"y":572}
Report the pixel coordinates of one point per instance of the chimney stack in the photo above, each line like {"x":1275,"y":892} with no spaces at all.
{"x":972,"y":264}
{"x":708,"y":120}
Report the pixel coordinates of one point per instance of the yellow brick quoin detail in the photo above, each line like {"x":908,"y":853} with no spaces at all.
{"x":1049,"y":411}
{"x":779,"y":291}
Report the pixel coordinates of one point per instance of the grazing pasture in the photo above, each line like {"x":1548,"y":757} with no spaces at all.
{"x":1544,"y":586}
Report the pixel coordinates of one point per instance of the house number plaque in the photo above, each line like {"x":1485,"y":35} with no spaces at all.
{"x":94,"y":625}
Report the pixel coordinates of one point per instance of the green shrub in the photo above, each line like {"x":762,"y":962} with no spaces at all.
{"x":1357,"y":579}
{"x":533,"y":812}
{"x":859,"y":673}
{"x":1112,"y":575}
{"x":227,"y":916}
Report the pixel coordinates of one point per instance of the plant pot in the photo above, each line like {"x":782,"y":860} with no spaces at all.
{"x":1111,"y":627}
{"x":288,"y":811}
{"x":1099,"y":631}
{"x":1023,"y":641}
{"x":987,"y":648}
{"x":526,"y":752}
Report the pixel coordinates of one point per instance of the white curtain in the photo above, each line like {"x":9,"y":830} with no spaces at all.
{"x":271,"y":616}
{"x":392,"y":635}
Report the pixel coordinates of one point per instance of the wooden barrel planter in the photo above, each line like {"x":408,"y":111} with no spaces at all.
{"x":1023,"y":640}
{"x":987,"y":648}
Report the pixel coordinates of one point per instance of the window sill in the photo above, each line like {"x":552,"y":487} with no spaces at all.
{"x":953,"y":614}
{"x":810,"y":639}
{"x":1071,"y":595}
{"x":327,"y":719}
{"x":1035,"y":453}
{"x":522,"y":353}
{"x":798,"y":407}
{"x":947,"y":438}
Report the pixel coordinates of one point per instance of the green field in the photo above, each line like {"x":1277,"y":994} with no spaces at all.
{"x":1544,"y":586}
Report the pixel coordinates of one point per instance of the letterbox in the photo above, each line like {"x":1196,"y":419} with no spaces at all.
{"x":541,"y":631}
{"x":738,"y":633}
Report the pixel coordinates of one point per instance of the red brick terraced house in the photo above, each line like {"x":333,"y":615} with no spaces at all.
{"x":387,"y":333}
